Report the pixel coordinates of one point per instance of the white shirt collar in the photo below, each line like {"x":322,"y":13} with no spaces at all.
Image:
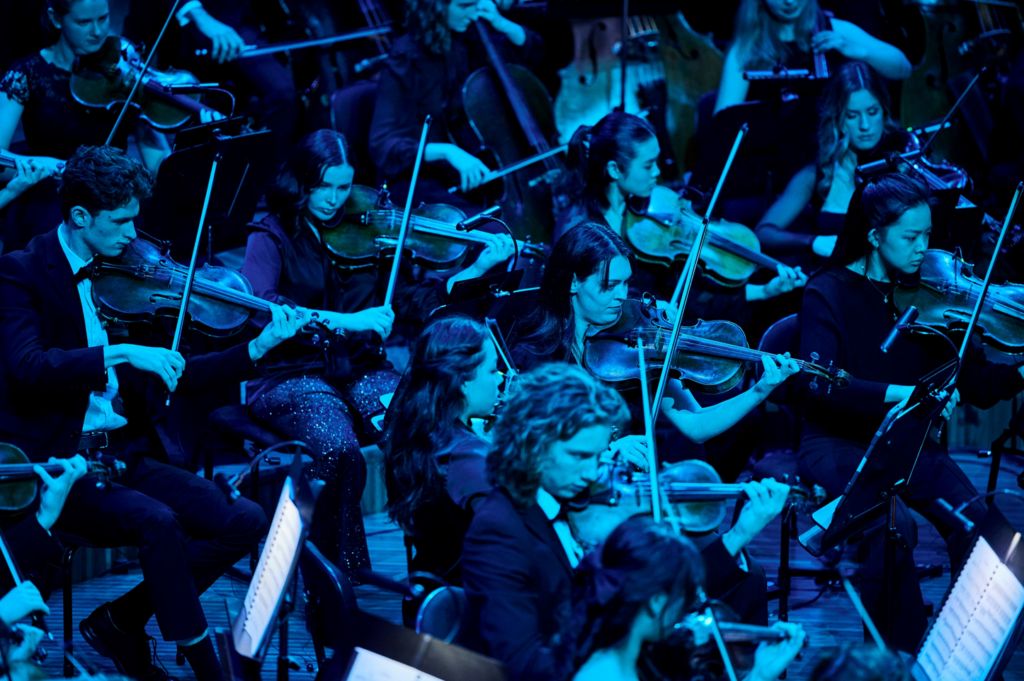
{"x":74,"y":260}
{"x":548,"y":504}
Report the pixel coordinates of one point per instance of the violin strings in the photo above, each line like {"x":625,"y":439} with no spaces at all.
{"x":727,"y":351}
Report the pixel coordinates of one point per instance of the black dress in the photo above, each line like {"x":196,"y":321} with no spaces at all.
{"x":844,"y":320}
{"x":55,"y":125}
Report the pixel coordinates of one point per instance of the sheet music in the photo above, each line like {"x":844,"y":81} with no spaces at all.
{"x":975,"y":621}
{"x":369,"y":666}
{"x":271,"y":576}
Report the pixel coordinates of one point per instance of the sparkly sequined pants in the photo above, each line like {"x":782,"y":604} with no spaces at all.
{"x":330,"y":418}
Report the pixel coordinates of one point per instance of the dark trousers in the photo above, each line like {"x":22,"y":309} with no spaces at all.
{"x":831,"y":462}
{"x":187,"y":534}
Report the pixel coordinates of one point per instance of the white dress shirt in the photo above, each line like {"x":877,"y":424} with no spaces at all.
{"x":551,"y":508}
{"x":100,"y":414}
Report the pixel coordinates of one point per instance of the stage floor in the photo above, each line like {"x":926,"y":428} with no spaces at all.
{"x":827,"y":614}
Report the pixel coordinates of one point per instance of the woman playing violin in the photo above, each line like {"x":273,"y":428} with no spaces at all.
{"x":770,"y":32}
{"x":631,"y":592}
{"x":435,"y":464}
{"x":424,"y":75}
{"x":614,"y":163}
{"x":848,"y":311}
{"x":36,"y":91}
{"x":327,"y":398}
{"x":855,"y":127}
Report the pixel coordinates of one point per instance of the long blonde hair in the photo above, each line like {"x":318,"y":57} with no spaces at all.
{"x":851,"y":77}
{"x":756,"y":33}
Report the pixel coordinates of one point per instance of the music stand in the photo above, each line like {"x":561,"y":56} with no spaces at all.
{"x":884,"y":471}
{"x":243,"y":170}
{"x":243,"y":645}
{"x":506,"y":307}
{"x":979,"y":623}
{"x":766,"y":159}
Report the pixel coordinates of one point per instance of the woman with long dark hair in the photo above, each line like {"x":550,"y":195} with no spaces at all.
{"x":435,"y":464}
{"x":848,"y":311}
{"x":632,"y":592}
{"x":772,"y":32}
{"x":424,"y":74}
{"x":327,"y":396}
{"x":855,"y":127}
{"x":615,"y":162}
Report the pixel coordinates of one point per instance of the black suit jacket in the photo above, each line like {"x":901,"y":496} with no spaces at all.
{"x":48,"y":370}
{"x":519,"y":584}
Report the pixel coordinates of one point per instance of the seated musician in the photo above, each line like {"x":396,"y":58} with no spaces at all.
{"x":855,"y":127}
{"x":434,"y":461}
{"x":860,"y":662}
{"x":634,"y":589}
{"x":66,"y":389}
{"x":424,"y":75}
{"x":36,"y":91}
{"x":326,"y":398}
{"x":771,"y":32}
{"x":848,"y":310}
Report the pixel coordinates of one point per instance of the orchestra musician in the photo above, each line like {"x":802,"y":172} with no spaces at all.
{"x":770,"y":32}
{"x":855,"y":127}
{"x":327,"y":399}
{"x":519,"y":556}
{"x":859,"y":662}
{"x":67,"y":389}
{"x":634,"y":589}
{"x":423,"y":75}
{"x":36,"y":91}
{"x":585,"y":283}
{"x":848,"y":310}
{"x":434,"y":460}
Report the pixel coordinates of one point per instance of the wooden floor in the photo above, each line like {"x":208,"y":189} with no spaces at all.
{"x":827,"y":614}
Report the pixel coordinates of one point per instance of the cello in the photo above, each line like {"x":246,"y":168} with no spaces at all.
{"x":510,"y":112}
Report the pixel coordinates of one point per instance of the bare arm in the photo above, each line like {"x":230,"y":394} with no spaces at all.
{"x":856,"y":43}
{"x":773,"y":229}
{"x":732,"y":88}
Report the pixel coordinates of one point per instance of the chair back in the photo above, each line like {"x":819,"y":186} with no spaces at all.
{"x":780,"y":338}
{"x":330,"y":601}
{"x":442,"y":613}
{"x":351,"y":114}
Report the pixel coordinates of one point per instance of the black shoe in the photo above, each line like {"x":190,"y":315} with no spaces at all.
{"x":130,"y":653}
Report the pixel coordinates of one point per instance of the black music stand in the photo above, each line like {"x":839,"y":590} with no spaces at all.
{"x":270,"y":597}
{"x":244,"y":168}
{"x":766,"y":159}
{"x":885,"y":471}
{"x":477,"y":298}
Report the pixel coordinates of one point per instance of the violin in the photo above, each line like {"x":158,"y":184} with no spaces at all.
{"x":661,"y":230}
{"x":947,"y":292}
{"x":104,"y":80}
{"x":18,"y":488}
{"x":145,"y":283}
{"x":369,"y":230}
{"x":711,"y":356}
{"x":693,"y":490}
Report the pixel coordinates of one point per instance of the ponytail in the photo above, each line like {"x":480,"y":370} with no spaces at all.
{"x":574,"y":182}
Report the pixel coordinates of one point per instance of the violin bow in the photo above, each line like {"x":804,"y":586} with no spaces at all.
{"x":685,"y":283}
{"x":142,"y":74}
{"x":37,"y":618}
{"x":403,"y":231}
{"x":652,"y":451}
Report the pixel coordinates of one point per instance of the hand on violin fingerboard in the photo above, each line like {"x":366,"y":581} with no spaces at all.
{"x":285,"y":322}
{"x":767,"y":498}
{"x":771,"y":659}
{"x":632,"y":448}
{"x":56,"y":489}
{"x":776,"y":370}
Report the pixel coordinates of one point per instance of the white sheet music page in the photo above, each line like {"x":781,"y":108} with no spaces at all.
{"x":369,"y":666}
{"x":271,"y":576}
{"x":975,"y":621}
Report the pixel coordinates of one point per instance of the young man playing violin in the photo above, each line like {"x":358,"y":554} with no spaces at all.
{"x":65,"y":390}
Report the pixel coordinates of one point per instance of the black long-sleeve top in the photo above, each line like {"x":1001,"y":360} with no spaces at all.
{"x":845,"y":319}
{"x":415,"y":83}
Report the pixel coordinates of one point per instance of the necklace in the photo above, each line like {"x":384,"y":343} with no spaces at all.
{"x":885,"y":296}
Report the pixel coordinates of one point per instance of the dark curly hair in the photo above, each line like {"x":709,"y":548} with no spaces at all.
{"x":289,"y":193}
{"x":640,"y":560}
{"x":102,"y":178}
{"x":427,"y":23}
{"x":552,"y":402}
{"x":423,"y":412}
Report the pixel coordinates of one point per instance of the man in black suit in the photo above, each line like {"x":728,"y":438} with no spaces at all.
{"x":66,"y":389}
